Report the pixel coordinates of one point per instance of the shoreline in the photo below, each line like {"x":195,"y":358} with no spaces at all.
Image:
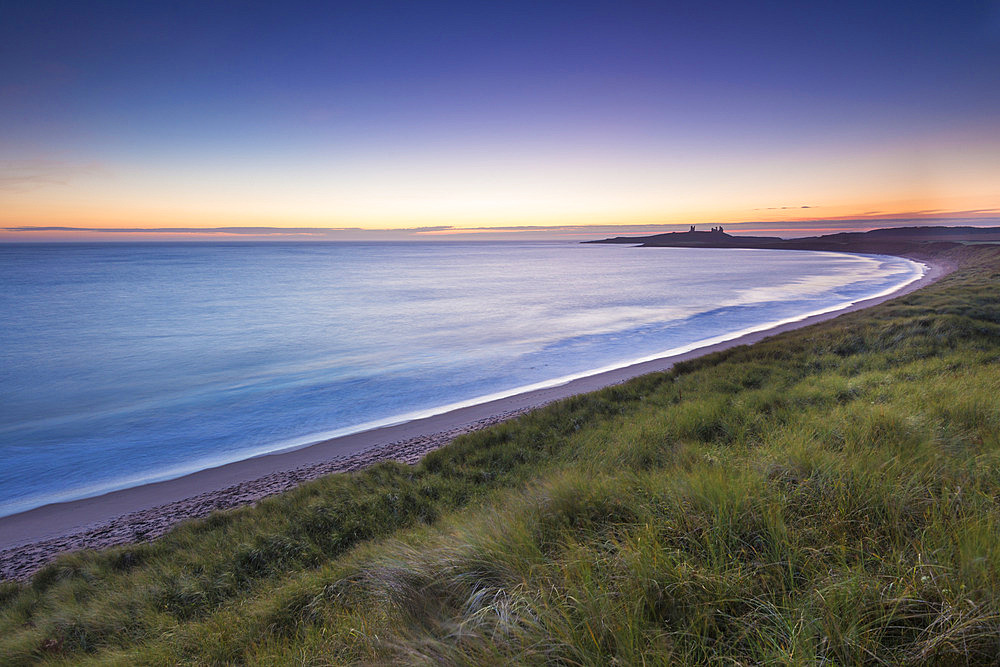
{"x":28,"y":540}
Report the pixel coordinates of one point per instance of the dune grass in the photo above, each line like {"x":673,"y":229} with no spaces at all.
{"x":830,"y":495}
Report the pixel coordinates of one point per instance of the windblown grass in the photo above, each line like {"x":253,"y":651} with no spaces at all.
{"x":831,"y":495}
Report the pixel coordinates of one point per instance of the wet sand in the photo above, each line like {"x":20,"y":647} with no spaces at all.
{"x":30,"y":539}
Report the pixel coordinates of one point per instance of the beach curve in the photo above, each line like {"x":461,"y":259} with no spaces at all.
{"x":30,"y":539}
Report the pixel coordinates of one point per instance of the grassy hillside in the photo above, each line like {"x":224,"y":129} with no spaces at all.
{"x":828,"y":495}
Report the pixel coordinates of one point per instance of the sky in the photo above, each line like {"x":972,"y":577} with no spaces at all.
{"x":440,"y":120}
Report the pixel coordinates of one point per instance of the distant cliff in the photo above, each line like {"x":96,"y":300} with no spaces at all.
{"x":910,"y":241}
{"x":712,"y":239}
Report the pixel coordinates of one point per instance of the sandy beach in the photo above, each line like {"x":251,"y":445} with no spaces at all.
{"x":30,"y":539}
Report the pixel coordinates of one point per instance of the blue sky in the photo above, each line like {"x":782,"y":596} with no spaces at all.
{"x":384,"y":115}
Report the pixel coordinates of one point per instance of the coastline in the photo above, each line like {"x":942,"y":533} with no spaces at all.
{"x":30,"y":539}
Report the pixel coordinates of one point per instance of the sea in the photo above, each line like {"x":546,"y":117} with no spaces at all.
{"x":127,"y":363}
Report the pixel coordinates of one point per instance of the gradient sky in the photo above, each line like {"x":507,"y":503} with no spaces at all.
{"x":488,"y":117}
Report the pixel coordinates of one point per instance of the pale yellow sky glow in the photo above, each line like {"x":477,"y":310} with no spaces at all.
{"x":502,"y":187}
{"x":409,"y":191}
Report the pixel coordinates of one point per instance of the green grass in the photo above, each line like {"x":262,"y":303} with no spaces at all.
{"x":831,"y":495}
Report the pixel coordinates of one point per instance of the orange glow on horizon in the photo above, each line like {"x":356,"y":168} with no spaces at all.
{"x":437,"y":213}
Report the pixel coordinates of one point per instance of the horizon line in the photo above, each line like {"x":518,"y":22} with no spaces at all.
{"x":790,"y":228}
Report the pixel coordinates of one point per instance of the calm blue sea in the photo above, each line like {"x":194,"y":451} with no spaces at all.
{"x":127,"y":363}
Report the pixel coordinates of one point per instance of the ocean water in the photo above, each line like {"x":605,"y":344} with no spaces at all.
{"x":127,"y":363}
